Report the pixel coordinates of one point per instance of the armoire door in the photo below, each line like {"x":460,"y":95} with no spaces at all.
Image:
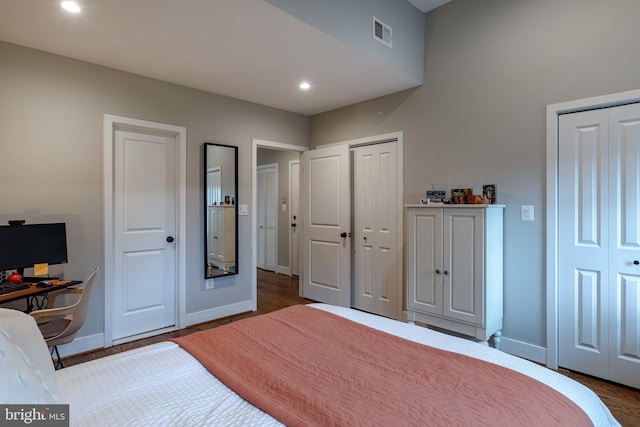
{"x":463,"y":246}
{"x":424,"y":260}
{"x":599,"y":243}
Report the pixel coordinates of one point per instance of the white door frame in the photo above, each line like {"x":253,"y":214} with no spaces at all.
{"x":111,"y":124}
{"x":553,"y":111}
{"x":255,"y":144}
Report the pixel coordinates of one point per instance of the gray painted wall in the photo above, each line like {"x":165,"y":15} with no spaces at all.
{"x":491,"y":68}
{"x":51,"y":124}
{"x":351,"y":21}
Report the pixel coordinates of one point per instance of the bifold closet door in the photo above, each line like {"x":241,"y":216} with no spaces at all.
{"x":377,"y":286}
{"x":267,"y":215}
{"x":599,"y":243}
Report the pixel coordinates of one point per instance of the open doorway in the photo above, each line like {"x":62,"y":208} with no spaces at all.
{"x":282,"y":155}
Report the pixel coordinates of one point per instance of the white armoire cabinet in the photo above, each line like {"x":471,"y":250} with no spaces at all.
{"x":455,"y":268}
{"x":222,"y":244}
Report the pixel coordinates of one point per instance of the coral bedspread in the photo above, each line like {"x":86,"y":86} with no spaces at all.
{"x":309,"y":367}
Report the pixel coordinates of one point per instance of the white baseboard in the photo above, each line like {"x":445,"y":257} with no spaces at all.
{"x":82,"y":345}
{"x":283,"y":270}
{"x":96,"y":341}
{"x":217,"y":313}
{"x":522,"y":349}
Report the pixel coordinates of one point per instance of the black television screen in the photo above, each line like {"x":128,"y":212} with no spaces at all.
{"x":22,"y":246}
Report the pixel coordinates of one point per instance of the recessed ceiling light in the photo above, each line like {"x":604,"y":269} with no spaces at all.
{"x":305,"y":86}
{"x":70,"y":6}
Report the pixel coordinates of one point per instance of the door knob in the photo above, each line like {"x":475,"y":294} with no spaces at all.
{"x":437,"y":271}
{"x":446,"y":273}
{"x":343,"y":235}
{"x":293,"y":225}
{"x":170,"y":239}
{"x":636,"y":262}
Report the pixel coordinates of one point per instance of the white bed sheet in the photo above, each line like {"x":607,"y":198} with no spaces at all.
{"x":162,"y":384}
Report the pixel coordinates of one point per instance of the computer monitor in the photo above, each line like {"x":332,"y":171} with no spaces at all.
{"x":23,"y":246}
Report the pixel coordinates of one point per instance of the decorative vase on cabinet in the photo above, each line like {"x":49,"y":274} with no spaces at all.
{"x":455,"y":268}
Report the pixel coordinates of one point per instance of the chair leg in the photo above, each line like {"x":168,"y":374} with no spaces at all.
{"x":57,"y":361}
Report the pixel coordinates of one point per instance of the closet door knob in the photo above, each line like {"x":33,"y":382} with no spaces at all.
{"x":437,"y":271}
{"x":636,"y":262}
{"x":446,"y":273}
{"x":170,"y":239}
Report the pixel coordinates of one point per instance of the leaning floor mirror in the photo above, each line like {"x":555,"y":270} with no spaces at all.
{"x":221,"y":220}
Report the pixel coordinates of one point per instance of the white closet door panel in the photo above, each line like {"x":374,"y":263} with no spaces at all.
{"x":624,"y":277}
{"x":583,"y":242}
{"x":625,"y":152}
{"x":588,"y":308}
{"x":376,"y":264}
{"x":260,"y":216}
{"x":267,"y":217}
{"x":365,"y":246}
{"x":271,"y":214}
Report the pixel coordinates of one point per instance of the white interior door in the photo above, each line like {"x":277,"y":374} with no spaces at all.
{"x":624,"y":244}
{"x":326,"y":211}
{"x":294,"y":216}
{"x":144,"y":220}
{"x":267,"y":176}
{"x":377,"y":264}
{"x":583,"y":243}
{"x":599,"y":240}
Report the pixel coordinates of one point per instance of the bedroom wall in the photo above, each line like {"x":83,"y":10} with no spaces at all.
{"x":491,"y":68}
{"x":51,"y":124}
{"x":351,"y":21}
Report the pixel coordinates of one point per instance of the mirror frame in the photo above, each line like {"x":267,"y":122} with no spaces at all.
{"x":233,"y":201}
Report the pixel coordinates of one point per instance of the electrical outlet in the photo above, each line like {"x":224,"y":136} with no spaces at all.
{"x":208,"y":284}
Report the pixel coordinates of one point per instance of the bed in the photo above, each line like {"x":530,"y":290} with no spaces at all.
{"x":164,"y":384}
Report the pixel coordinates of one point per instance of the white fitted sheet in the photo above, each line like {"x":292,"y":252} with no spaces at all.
{"x":162,"y":384}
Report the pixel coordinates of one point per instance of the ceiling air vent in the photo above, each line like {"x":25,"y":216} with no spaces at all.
{"x":381,"y":32}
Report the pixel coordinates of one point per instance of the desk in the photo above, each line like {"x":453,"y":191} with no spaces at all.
{"x":35,"y":291}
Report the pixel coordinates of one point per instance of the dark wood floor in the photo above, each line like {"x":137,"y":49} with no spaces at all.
{"x":277,"y":291}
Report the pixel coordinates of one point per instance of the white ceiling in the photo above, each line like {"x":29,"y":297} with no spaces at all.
{"x":246,"y":49}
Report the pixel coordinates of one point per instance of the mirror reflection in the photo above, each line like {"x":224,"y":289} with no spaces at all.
{"x":221,"y":232}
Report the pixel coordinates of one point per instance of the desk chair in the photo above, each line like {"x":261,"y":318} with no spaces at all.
{"x":60,"y":325}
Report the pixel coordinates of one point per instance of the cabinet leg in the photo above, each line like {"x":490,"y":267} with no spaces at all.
{"x":496,"y":339}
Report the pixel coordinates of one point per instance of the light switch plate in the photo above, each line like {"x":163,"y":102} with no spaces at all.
{"x":527,"y":212}
{"x":243,"y":210}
